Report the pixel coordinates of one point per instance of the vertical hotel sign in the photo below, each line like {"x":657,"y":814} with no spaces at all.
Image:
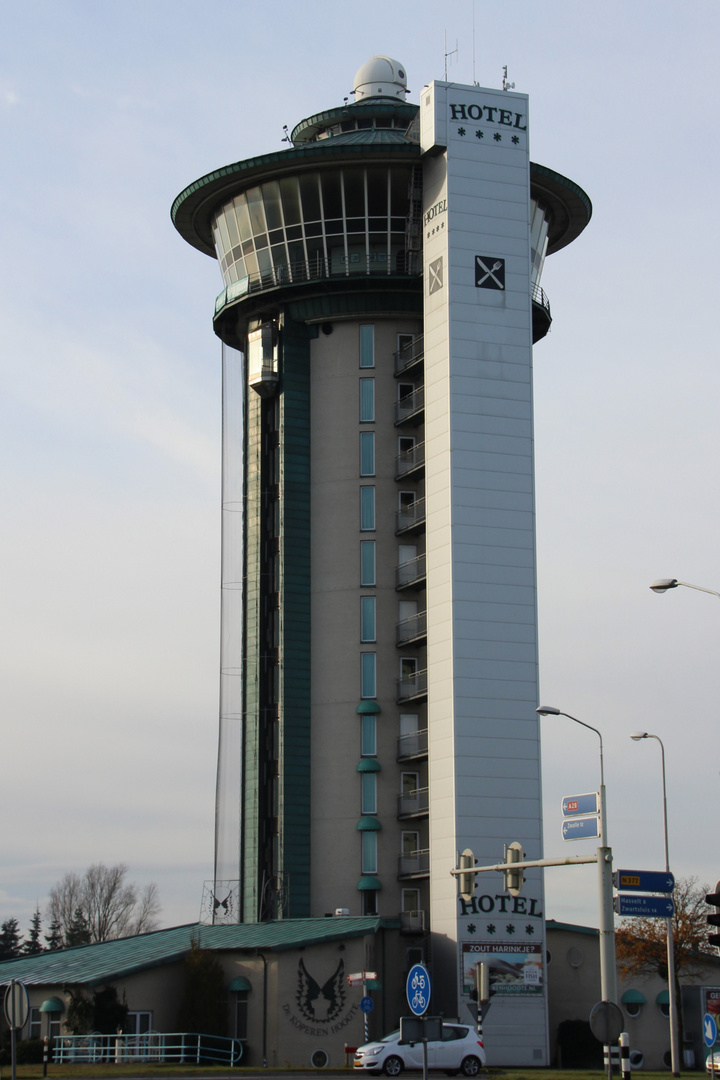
{"x":479,"y":498}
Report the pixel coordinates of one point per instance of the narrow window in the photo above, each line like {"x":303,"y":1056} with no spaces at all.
{"x":367,"y":618}
{"x":410,"y":899}
{"x":369,"y":902}
{"x":367,"y":346}
{"x":369,"y":852}
{"x":368,"y":736}
{"x":369,"y":793}
{"x":367,"y":453}
{"x":367,"y":401}
{"x":367,"y":509}
{"x":367,"y":562}
{"x":368,"y":670}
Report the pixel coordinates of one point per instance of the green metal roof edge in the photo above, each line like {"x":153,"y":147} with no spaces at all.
{"x":204,"y":194}
{"x":551,"y":924}
{"x":368,"y":764}
{"x":633,"y":997}
{"x":368,"y":823}
{"x":109,"y":960}
{"x":663,"y":998}
{"x":52,"y":1005}
{"x":369,"y":882}
{"x":368,"y":707}
{"x":365,"y":109}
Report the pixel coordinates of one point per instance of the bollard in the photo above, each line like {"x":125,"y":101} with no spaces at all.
{"x":614,"y":1053}
{"x":625,"y":1055}
{"x":45,"y":1055}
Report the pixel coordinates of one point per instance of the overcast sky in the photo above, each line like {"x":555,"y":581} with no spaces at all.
{"x":110,"y":408}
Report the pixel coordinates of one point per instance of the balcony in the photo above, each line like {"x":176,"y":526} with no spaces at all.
{"x":414,"y":864}
{"x":412,"y":687}
{"x":412,"y":746}
{"x":410,"y":409}
{"x":410,"y":463}
{"x":411,"y":517}
{"x":412,"y":631}
{"x":410,"y":574}
{"x":410,"y":356}
{"x":413,"y":922}
{"x":412,"y":804}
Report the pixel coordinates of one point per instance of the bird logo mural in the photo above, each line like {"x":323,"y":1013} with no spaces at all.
{"x":321,"y":1002}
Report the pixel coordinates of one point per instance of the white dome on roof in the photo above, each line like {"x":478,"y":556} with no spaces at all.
{"x":381,"y":77}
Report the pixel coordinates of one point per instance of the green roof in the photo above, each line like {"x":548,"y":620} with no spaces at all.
{"x":96,"y":964}
{"x":663,"y":998}
{"x":368,"y":764}
{"x":368,"y":824}
{"x":368,"y":707}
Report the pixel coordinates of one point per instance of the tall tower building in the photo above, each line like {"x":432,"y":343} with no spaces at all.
{"x":379,"y":673}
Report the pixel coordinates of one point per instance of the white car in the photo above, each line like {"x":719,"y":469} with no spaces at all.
{"x":459,"y":1050}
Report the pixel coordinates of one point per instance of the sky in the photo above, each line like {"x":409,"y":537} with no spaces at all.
{"x":110,"y":409}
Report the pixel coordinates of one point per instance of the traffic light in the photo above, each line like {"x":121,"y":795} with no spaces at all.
{"x":467,"y":881}
{"x":714,"y":919}
{"x":514,"y":878}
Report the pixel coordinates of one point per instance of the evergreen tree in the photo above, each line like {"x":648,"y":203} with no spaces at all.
{"x":32,"y":944}
{"x":54,"y":938}
{"x":9,"y":939}
{"x":78,"y":932}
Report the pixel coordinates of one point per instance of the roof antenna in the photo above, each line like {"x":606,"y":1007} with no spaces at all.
{"x":507,"y":85}
{"x":286,"y":137}
{"x":453,"y":53}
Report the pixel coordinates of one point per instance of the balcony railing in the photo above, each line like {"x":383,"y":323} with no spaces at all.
{"x":410,"y":461}
{"x":186,"y":1047}
{"x":412,"y":687}
{"x":411,"y":573}
{"x":315,"y":269}
{"x":539,"y":297}
{"x":410,"y":355}
{"x":410,"y":407}
{"x":412,"y":629}
{"x":411,"y":516}
{"x":413,"y":803}
{"x":412,"y":745}
{"x":412,"y":922}
{"x":414,"y":864}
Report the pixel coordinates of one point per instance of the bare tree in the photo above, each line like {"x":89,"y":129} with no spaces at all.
{"x":111,"y":907}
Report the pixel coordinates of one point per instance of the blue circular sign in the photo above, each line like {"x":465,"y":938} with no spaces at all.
{"x":418,"y":989}
{"x":709,"y":1030}
{"x":366,"y":1004}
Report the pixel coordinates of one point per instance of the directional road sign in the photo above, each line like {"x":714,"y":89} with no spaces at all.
{"x":580,"y":804}
{"x":417,"y":989}
{"x":644,"y":881}
{"x":580,"y":828}
{"x":648,"y":907}
{"x":709,"y":1030}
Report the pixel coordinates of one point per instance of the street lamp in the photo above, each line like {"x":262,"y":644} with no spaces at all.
{"x":637,"y":736}
{"x":663,"y":584}
{"x":608,"y":971}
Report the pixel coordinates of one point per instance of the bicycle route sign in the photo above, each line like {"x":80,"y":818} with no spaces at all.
{"x":418,"y":989}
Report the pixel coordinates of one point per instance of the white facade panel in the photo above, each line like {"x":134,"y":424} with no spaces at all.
{"x":482,"y":679}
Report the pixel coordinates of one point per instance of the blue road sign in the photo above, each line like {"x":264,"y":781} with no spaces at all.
{"x":580,"y":828}
{"x":417,"y":989}
{"x":709,"y":1030}
{"x":648,"y":907}
{"x":366,"y":1004}
{"x":644,"y":881}
{"x":580,"y":804}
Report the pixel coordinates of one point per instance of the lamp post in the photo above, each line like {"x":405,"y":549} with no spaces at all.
{"x":608,"y":971}
{"x":663,"y":584}
{"x":672,"y":993}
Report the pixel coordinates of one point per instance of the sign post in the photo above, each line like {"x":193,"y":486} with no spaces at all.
{"x":17,"y":1007}
{"x":360,"y":978}
{"x":417,"y":991}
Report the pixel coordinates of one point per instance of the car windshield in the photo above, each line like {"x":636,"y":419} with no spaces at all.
{"x":392,"y":1037}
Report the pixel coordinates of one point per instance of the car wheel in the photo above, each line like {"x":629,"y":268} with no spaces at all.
{"x":393,"y":1066}
{"x":470,"y":1066}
